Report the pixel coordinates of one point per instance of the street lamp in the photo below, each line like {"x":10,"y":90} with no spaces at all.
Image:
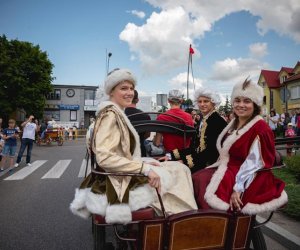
{"x":107,"y":61}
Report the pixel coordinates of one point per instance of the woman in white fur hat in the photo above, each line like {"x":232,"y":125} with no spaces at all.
{"x":245,"y":146}
{"x":115,"y":144}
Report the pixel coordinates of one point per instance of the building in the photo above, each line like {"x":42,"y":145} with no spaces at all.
{"x":71,"y":105}
{"x":281,"y":88}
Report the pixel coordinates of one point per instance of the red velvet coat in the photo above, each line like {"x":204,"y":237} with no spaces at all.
{"x":265,"y":193}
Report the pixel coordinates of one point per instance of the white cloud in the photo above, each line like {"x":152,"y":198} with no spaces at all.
{"x":139,"y":14}
{"x":162,"y":42}
{"x":233,"y":70}
{"x":258,"y":50}
{"x":180,"y":82}
{"x":281,"y":16}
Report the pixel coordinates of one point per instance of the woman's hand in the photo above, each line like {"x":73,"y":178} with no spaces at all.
{"x":235,"y":201}
{"x":163,"y":158}
{"x":154,"y":180}
{"x":153,"y":163}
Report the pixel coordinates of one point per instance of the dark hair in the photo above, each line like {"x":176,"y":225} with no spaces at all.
{"x":135,"y":97}
{"x":256,"y":111}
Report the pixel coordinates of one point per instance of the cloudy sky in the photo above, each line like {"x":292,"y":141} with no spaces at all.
{"x":232,"y":39}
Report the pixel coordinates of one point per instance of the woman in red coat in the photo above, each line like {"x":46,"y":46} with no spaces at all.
{"x":245,"y":146}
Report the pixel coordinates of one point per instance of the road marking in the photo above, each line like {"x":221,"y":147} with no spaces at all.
{"x":24,"y":172}
{"x":57,"y":170}
{"x":82,"y":168}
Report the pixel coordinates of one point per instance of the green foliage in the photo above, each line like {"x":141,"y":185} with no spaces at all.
{"x":25,"y":77}
{"x":292,"y":187}
{"x":293,"y":164}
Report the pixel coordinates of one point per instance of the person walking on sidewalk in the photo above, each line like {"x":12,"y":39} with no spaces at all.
{"x":10,"y":136}
{"x":30,"y":127}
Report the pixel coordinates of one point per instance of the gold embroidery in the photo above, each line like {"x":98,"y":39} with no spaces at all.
{"x":189,"y":160}
{"x":176,"y":154}
{"x":202,"y":145}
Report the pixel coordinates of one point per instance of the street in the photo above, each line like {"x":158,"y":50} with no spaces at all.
{"x":35,"y":202}
{"x":34,"y":208}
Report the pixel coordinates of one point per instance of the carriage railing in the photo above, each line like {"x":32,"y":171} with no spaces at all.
{"x":179,"y":128}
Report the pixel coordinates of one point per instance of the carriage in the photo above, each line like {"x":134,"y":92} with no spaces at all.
{"x":51,"y":135}
{"x":195,"y":229}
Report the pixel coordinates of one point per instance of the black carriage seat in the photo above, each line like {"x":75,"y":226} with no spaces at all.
{"x":164,"y":127}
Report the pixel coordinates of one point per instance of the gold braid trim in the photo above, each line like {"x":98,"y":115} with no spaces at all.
{"x":202,"y":145}
{"x":189,"y":160}
{"x":176,"y":154}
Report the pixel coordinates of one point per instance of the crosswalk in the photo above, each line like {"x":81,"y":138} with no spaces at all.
{"x":55,"y":171}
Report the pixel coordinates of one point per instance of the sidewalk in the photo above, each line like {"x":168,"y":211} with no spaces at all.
{"x":282,"y":229}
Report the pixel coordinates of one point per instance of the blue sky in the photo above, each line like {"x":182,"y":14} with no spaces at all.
{"x":232,"y":39}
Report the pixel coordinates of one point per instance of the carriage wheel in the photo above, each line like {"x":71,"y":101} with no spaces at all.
{"x":258,"y":239}
{"x":48,"y":141}
{"x":60,"y":141}
{"x":99,"y":237}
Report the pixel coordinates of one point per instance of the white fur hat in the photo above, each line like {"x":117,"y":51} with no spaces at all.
{"x":250,"y":90}
{"x":213,"y":96}
{"x":115,"y":77}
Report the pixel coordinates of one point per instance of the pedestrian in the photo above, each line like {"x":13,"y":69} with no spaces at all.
{"x":30,"y":128}
{"x":173,"y":141}
{"x":289,"y":133}
{"x":10,"y":136}
{"x":131,"y":110}
{"x":204,"y":152}
{"x":272,"y":120}
{"x":115,"y":146}
{"x":245,"y":145}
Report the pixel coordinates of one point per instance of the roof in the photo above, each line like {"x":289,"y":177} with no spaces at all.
{"x":292,"y":78}
{"x":271,"y":78}
{"x":287,"y":70}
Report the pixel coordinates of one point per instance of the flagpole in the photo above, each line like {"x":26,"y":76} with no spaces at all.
{"x":188,"y":74}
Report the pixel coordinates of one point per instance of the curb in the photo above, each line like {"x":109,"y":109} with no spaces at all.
{"x":280,"y":234}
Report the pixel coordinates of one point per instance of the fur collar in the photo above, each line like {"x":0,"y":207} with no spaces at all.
{"x":105,"y":104}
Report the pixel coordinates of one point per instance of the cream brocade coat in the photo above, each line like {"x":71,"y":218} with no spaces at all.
{"x":117,"y":149}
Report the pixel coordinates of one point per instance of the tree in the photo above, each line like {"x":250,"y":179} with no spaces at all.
{"x":25,"y":77}
{"x":226,"y":108}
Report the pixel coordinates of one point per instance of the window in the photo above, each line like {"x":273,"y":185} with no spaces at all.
{"x":282,"y":79}
{"x":89,"y":97}
{"x":52,"y":114}
{"x":55,"y":95}
{"x":73,"y":115}
{"x":295,"y":92}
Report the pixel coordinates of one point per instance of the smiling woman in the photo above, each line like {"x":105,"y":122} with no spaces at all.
{"x":115,"y":146}
{"x":246,"y":145}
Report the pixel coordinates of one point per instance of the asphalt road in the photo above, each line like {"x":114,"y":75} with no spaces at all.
{"x":34,"y":202}
{"x":34,"y":212}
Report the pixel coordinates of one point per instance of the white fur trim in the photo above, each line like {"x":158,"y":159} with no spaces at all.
{"x":78,"y":204}
{"x":252,"y":91}
{"x":117,"y":76}
{"x":96,"y":203}
{"x":141,"y":197}
{"x":119,"y":213}
{"x":272,"y":205}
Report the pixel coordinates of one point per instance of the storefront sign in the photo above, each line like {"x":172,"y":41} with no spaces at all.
{"x":68,"y":107}
{"x":89,"y":108}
